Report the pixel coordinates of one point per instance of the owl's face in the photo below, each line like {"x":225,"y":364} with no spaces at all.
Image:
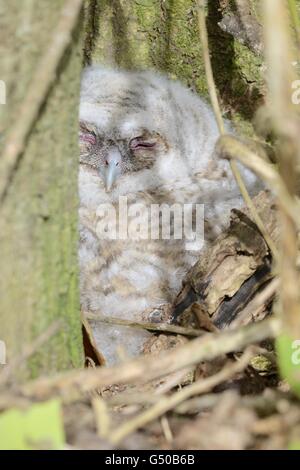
{"x":114,"y":155}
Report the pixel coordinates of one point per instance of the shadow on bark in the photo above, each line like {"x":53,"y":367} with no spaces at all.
{"x":234,"y":90}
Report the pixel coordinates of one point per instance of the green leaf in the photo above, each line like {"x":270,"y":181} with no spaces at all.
{"x":40,"y":426}
{"x":294,"y":445}
{"x":289,"y":360}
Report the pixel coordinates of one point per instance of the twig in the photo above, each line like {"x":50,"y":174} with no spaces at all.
{"x":165,"y":327}
{"x":132,"y":398}
{"x":41,"y":82}
{"x":28,"y":351}
{"x":172,"y":381}
{"x":260,"y":299}
{"x":72,"y":384}
{"x":208,"y":68}
{"x":102,"y":416}
{"x":140,"y":397}
{"x":9,"y":400}
{"x":230,"y":147}
{"x":220,"y":122}
{"x":256,"y":217}
{"x":169,"y":402}
{"x":285,"y":122}
{"x":276,"y":423}
{"x":267,"y":403}
{"x":166,"y":429}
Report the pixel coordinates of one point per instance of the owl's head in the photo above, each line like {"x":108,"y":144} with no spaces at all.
{"x":113,"y":156}
{"x":142,"y":128}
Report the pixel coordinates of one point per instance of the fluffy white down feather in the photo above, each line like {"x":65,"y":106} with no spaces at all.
{"x":119,"y":104}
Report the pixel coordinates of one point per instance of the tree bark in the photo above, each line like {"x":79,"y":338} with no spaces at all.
{"x":163,"y":35}
{"x":38,"y":238}
{"x":38,"y":277}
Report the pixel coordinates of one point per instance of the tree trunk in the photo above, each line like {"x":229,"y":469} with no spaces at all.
{"x":163,"y":35}
{"x":38,"y":238}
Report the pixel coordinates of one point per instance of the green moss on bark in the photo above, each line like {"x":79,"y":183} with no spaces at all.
{"x":163,"y":35}
{"x":38,"y":276}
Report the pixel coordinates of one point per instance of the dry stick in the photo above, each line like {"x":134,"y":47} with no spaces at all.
{"x":260,"y":299}
{"x":277,"y":423}
{"x":166,"y":429}
{"x":72,"y":384}
{"x":169,"y":402}
{"x":136,"y":398}
{"x":220,"y":122}
{"x":285,"y":120}
{"x":165,"y":327}
{"x":173,"y":380}
{"x":266,"y":403}
{"x":40,"y":84}
{"x":230,"y":147}
{"x":140,"y":397}
{"x":8,"y":400}
{"x":102,"y":417}
{"x":28,"y":351}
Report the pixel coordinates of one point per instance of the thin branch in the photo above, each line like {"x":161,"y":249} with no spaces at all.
{"x":259,"y":300}
{"x":230,"y":147}
{"x":208,"y":68}
{"x":159,"y":327}
{"x":253,"y":211}
{"x":40,"y":84}
{"x":169,"y":402}
{"x":220,"y":122}
{"x":72,"y":384}
{"x":285,"y":122}
{"x":102,"y":416}
{"x":266,"y":403}
{"x":28,"y":351}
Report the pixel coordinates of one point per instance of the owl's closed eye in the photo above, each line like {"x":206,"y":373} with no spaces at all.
{"x":114,"y":156}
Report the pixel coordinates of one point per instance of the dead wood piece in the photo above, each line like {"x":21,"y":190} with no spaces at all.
{"x":240,"y":21}
{"x":234,"y":268}
{"x":246,"y":30}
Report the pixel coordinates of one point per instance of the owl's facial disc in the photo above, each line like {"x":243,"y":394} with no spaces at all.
{"x":116,"y":154}
{"x":112,"y":167}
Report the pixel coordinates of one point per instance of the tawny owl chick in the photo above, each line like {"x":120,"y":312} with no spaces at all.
{"x":145,"y":141}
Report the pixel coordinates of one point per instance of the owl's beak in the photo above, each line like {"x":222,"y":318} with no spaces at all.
{"x":113,"y":168}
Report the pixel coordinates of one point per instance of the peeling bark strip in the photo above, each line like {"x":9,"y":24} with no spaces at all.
{"x":243,"y":25}
{"x":230,"y":308}
{"x":233,"y":269}
{"x":247,"y":32}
